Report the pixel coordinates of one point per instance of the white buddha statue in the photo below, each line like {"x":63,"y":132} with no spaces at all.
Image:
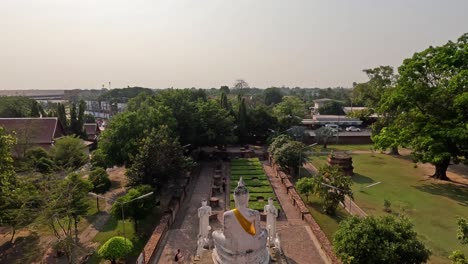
{"x":242,"y":240}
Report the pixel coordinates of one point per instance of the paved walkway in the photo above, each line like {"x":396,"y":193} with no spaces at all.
{"x":297,"y":239}
{"x":184,"y":231}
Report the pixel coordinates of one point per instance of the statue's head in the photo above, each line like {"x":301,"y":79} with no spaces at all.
{"x":270,"y":201}
{"x":203,"y":202}
{"x":241,"y":194}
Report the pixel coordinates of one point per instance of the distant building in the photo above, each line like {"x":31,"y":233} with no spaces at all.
{"x":321,"y":120}
{"x":319,"y":103}
{"x":92,"y":131}
{"x":35,"y":94}
{"x":33,"y":132}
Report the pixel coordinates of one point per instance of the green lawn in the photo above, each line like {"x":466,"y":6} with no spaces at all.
{"x":363,"y":147}
{"x":431,"y":206}
{"x":115,"y":228}
{"x":328,"y":224}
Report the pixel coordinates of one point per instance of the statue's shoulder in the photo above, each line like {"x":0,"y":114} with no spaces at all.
{"x":228,"y":214}
{"x":253,"y":212}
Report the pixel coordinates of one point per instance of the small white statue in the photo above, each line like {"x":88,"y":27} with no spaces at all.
{"x":204,"y":213}
{"x":272,"y":213}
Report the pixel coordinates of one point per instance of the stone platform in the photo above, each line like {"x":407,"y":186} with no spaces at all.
{"x":275,"y":258}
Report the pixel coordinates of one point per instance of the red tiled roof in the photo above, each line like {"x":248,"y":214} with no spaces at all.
{"x":33,"y":130}
{"x":91,"y":128}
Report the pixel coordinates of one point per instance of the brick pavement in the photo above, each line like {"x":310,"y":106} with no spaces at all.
{"x":184,"y":231}
{"x":297,"y":240}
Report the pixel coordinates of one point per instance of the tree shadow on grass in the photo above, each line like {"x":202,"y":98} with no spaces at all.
{"x":109,"y":226}
{"x":457,"y":193}
{"x":359,"y":178}
{"x":24,"y":250}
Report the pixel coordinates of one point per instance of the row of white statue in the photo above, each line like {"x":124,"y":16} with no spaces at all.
{"x":241,"y":240}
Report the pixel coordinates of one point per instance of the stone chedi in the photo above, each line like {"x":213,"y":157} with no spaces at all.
{"x":272,"y":213}
{"x":242,"y":240}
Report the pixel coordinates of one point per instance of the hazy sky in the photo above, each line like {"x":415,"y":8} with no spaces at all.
{"x":64,"y":44}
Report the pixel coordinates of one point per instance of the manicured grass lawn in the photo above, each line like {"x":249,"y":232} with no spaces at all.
{"x":258,"y":187}
{"x":431,"y":206}
{"x":364,"y":147}
{"x":318,"y":160}
{"x":328,"y":224}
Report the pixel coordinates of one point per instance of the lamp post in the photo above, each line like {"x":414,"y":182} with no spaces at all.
{"x":121,"y":205}
{"x":300,"y":157}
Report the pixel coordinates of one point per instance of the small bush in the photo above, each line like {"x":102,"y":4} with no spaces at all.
{"x":115,"y":248}
{"x":387,"y":206}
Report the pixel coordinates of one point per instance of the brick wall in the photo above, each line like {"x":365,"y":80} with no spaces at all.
{"x":299,"y":204}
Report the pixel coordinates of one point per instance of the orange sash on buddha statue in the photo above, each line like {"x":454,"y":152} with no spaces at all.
{"x":246,"y":224}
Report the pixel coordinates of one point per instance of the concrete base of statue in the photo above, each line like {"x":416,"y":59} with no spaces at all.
{"x":254,"y":257}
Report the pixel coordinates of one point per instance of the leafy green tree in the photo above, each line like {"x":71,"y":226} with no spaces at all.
{"x":80,"y":119}
{"x":89,"y":118}
{"x":306,"y":186}
{"x":8,"y":177}
{"x":136,"y":209}
{"x":120,"y":141}
{"x":242,"y":121}
{"x":160,"y":158}
{"x":224,"y":102}
{"x":182,"y":103}
{"x":36,"y":109}
{"x":261,"y":123}
{"x":16,"y":106}
{"x":378,"y":240}
{"x":21,"y":206}
{"x":290,"y":156}
{"x":98,"y":159}
{"x":75,"y":198}
{"x":290,"y":111}
{"x":62,"y":116}
{"x":382,"y":81}
{"x":431,"y":101}
{"x":74,"y":125}
{"x":332,"y":108}
{"x":214,"y":124}
{"x":272,"y":96}
{"x":40,"y":159}
{"x":100,"y":181}
{"x":69,"y":153}
{"x":65,"y":202}
{"x":333,"y":196}
{"x":115,"y":248}
{"x":324,"y":134}
{"x":278,"y":142}
{"x":457,"y":256}
{"x":224,"y":89}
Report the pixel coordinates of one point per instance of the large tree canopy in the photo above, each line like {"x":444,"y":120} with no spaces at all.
{"x":378,"y":240}
{"x":290,"y":111}
{"x":431,"y":102}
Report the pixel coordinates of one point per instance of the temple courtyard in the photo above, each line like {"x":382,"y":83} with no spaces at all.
{"x":298,"y":243}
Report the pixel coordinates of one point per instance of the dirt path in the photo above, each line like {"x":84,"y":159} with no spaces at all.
{"x":118,"y":179}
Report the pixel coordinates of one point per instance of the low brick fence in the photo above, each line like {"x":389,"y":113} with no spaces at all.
{"x":154,"y":243}
{"x":297,"y":201}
